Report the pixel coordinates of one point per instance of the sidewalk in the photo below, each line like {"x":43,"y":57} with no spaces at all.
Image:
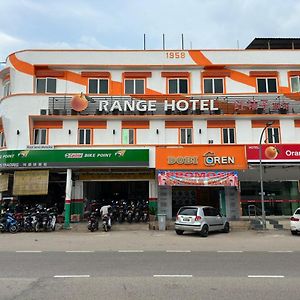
{"x":148,"y":240}
{"x":238,"y":225}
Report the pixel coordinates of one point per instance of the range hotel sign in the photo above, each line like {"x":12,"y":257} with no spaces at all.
{"x":39,"y":159}
{"x":152,"y":105}
{"x":231,"y":157}
{"x":275,"y":153}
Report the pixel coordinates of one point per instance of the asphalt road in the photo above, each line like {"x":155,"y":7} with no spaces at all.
{"x":124,"y":274}
{"x":149,"y":265}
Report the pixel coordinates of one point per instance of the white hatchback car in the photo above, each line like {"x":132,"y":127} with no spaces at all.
{"x":295,"y":222}
{"x":202,"y":219}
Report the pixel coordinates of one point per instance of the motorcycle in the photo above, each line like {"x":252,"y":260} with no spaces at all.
{"x":93,"y":221}
{"x":130,"y":213}
{"x":8,"y":223}
{"x":106,"y":223}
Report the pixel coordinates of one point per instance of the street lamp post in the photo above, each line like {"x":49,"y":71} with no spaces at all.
{"x":263,"y":213}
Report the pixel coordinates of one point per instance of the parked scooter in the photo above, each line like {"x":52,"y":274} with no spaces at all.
{"x":93,"y":221}
{"x":106,"y":223}
{"x":8,"y":223}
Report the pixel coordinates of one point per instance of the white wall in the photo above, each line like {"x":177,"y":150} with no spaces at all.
{"x":15,"y":111}
{"x":243,"y":129}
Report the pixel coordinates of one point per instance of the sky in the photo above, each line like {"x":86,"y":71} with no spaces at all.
{"x":121,"y":24}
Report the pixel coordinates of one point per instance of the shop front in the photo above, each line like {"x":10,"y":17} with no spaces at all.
{"x":74,"y":177}
{"x":280,"y":173}
{"x":199,"y":175}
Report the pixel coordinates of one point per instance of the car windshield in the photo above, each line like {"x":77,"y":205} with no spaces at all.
{"x":188,"y":211}
{"x":297,"y":212}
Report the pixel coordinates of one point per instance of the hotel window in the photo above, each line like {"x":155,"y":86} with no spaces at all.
{"x":40,"y":136}
{"x":295,"y":84}
{"x":134,"y":86}
{"x":6,"y":89}
{"x":98,"y":86}
{"x":46,"y":85}
{"x":228,"y":135}
{"x":178,"y":86}
{"x":273,"y":135}
{"x":213,"y":85}
{"x":266,"y":85}
{"x":2,"y":139}
{"x":128,"y":136}
{"x":84,"y":136}
{"x":185,"y":135}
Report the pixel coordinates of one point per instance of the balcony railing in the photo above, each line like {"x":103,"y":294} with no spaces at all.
{"x":239,"y":104}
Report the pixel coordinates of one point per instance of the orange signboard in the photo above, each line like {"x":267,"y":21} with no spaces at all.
{"x":203,"y":157}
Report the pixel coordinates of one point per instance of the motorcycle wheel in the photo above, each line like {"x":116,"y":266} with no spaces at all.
{"x":105,"y":227}
{"x":13,"y":228}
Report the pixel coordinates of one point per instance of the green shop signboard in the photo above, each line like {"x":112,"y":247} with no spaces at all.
{"x":37,"y":159}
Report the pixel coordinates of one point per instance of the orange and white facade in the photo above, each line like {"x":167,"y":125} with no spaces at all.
{"x":199,"y":113}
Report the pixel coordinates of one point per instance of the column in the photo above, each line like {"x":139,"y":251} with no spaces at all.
{"x":152,"y":197}
{"x":68,"y":198}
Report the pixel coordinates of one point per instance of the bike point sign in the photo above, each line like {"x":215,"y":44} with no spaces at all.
{"x":39,"y":159}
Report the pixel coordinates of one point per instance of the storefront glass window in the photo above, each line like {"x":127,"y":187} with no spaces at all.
{"x":281,"y":197}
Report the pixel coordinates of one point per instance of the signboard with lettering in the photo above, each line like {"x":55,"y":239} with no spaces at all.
{"x":39,"y":159}
{"x":197,"y":178}
{"x":275,"y":153}
{"x":202,"y":157}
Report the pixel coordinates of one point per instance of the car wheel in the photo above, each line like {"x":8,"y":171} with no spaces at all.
{"x":179,"y":232}
{"x":294,"y":232}
{"x":226,"y":227}
{"x":204,"y":231}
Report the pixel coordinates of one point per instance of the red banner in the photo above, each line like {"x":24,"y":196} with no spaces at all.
{"x":197,"y":178}
{"x":274,"y":152}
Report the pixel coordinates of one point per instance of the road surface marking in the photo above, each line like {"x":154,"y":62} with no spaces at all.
{"x":280,"y":251}
{"x":178,"y":251}
{"x":173,"y":276}
{"x":130,"y":251}
{"x":230,"y":251}
{"x":71,"y":276}
{"x":80,"y":251}
{"x":29,"y":251}
{"x":265,"y":276}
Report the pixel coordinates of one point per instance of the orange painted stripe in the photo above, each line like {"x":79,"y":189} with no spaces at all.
{"x":96,"y":74}
{"x":262,"y":123}
{"x":175,"y":74}
{"x":263,"y":73}
{"x":297,"y":123}
{"x":216,"y":73}
{"x":76,"y":78}
{"x":220,"y":124}
{"x":21,"y":66}
{"x":243,"y":78}
{"x":137,"y":74}
{"x":48,"y":124}
{"x":178,"y":124}
{"x":116,"y":88}
{"x":92,"y":124}
{"x":135,"y":124}
{"x":199,"y":58}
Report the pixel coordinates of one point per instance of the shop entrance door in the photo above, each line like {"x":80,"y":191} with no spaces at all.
{"x":190,"y":195}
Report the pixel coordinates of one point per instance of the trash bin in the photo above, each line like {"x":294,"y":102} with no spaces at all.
{"x":161,"y":221}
